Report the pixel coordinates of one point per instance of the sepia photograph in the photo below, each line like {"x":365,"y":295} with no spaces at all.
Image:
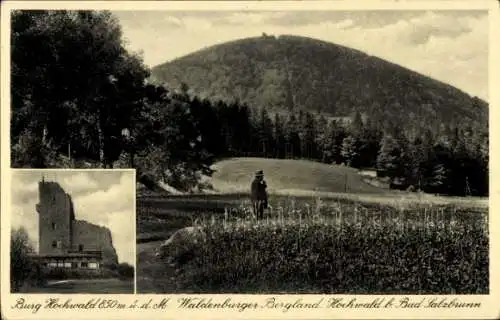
{"x":72,"y":231}
{"x":275,"y":151}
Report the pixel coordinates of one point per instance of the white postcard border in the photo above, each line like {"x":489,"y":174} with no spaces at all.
{"x":490,"y":303}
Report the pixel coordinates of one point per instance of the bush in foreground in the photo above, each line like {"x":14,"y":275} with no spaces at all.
{"x":419,"y":251}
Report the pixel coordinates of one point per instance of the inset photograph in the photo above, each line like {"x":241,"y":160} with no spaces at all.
{"x":72,"y":231}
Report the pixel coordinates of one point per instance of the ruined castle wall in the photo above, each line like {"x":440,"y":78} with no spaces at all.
{"x":54,"y":224}
{"x":94,"y":237}
{"x":60,"y":233}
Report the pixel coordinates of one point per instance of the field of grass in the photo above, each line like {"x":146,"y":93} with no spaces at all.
{"x":317,"y":238}
{"x":315,"y":245}
{"x":286,"y":176}
{"x":83,"y":286}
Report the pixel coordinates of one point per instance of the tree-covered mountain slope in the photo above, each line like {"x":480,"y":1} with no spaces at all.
{"x":290,"y":72}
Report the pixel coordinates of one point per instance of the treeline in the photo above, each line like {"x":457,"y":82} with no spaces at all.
{"x":451,"y":161}
{"x":79,"y":98}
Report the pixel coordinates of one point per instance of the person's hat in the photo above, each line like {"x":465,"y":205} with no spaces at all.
{"x":259,"y":173}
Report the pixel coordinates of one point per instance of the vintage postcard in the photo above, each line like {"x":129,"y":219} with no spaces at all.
{"x":249,"y":159}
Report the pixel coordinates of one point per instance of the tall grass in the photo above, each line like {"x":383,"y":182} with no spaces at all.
{"x":340,"y":247}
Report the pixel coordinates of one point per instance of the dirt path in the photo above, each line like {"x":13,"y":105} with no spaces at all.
{"x":153,"y":275}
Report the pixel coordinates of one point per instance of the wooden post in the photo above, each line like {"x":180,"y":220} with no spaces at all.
{"x":467,"y":186}
{"x":345,"y":183}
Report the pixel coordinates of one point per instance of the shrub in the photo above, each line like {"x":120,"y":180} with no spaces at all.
{"x":23,"y":270}
{"x":126,"y":271}
{"x":30,"y":151}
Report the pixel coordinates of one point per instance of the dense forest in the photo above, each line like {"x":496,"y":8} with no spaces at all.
{"x":290,"y":73}
{"x":80,"y":99}
{"x":450,"y":161}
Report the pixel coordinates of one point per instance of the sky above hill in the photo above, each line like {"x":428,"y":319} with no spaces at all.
{"x":450,"y":46}
{"x":103,"y":198}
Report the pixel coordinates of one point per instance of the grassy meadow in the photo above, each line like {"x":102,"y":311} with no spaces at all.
{"x":315,"y":241}
{"x":290,"y":176}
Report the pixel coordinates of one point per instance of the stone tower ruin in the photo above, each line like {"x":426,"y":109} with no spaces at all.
{"x":56,"y":216}
{"x":65,"y":242}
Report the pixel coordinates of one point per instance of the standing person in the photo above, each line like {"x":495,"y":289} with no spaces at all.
{"x":259,"y":194}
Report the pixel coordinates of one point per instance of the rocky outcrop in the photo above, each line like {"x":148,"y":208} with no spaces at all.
{"x":88,"y":236}
{"x":182,"y":242}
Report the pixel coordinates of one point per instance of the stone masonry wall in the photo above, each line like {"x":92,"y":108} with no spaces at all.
{"x":54,"y":222}
{"x":94,"y":237}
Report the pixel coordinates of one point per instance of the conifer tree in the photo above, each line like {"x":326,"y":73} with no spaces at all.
{"x":279,"y":137}
{"x":265,"y":133}
{"x":350,"y":151}
{"x":292,"y":137}
{"x":308,"y":137}
{"x":321,"y":139}
{"x":389,"y":158}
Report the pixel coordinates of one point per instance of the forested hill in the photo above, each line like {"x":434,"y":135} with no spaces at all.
{"x":291,"y":72}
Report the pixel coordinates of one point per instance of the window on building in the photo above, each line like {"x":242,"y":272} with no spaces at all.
{"x":53,"y":264}
{"x":60,"y":264}
{"x":80,"y":247}
{"x":93,"y":265}
{"x":59,"y":244}
{"x":53,"y":226}
{"x":85,"y":264}
{"x":74,"y":265}
{"x":67,"y":264}
{"x":54,"y":244}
